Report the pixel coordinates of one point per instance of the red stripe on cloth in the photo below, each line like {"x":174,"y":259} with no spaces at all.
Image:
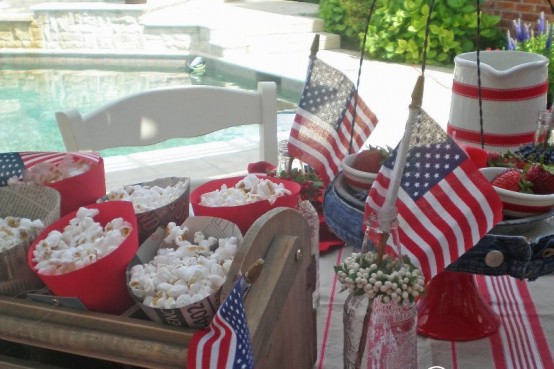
{"x":493,"y":139}
{"x":542,"y":343}
{"x":523,"y":309}
{"x":494,"y":94}
{"x":454,"y":354}
{"x":329,"y":318}
{"x":520,"y":341}
{"x":514,"y":334}
{"x":495,"y":339}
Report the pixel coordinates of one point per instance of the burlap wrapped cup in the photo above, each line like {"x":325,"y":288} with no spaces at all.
{"x":175,"y":211}
{"x":32,"y":202}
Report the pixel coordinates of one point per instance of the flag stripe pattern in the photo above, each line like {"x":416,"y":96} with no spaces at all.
{"x":445,"y":205}
{"x":520,"y":341}
{"x":13,"y":164}
{"x":322,"y":134}
{"x":225,"y":344}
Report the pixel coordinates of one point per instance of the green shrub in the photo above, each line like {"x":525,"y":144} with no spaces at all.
{"x":335,"y":18}
{"x":397,"y":29}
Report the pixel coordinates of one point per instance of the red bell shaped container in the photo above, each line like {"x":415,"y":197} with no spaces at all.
{"x":454,"y":309}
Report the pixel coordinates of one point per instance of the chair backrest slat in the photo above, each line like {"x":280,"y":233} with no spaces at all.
{"x":157,"y":115}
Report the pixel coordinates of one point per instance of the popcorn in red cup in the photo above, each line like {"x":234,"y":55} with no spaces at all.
{"x":242,"y":200}
{"x":78,"y":177}
{"x":85,"y":253}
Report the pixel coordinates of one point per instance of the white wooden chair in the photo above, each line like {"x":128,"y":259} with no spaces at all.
{"x":157,"y":115}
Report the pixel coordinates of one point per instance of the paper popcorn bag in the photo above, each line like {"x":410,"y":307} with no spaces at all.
{"x":199,"y":313}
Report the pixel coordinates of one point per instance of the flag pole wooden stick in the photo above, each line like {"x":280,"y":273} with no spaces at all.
{"x":251,"y":275}
{"x":387,"y":211}
{"x":402,"y":153}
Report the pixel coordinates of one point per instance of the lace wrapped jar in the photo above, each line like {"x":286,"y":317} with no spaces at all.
{"x":380,"y":314}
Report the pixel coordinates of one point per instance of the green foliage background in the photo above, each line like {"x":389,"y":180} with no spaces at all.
{"x":397,"y":29}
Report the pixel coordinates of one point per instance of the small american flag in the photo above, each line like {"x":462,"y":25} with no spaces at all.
{"x":322,"y":133}
{"x":445,"y":205}
{"x":225,"y":344}
{"x":13,"y":164}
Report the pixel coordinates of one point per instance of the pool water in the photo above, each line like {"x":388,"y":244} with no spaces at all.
{"x":29,"y":99}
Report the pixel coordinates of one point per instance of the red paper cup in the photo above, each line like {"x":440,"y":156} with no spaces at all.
{"x":100,"y":286}
{"x":242,"y":215}
{"x":82,"y":189}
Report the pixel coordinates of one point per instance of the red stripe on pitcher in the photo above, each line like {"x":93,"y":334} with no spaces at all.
{"x":491,"y":139}
{"x":494,"y":94}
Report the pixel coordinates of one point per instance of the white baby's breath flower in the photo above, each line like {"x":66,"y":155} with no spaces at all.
{"x":396,"y":280}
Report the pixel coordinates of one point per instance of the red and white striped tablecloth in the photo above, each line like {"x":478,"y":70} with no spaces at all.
{"x":524,"y":340}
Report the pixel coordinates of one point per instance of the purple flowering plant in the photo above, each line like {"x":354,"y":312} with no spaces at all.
{"x":536,"y":39}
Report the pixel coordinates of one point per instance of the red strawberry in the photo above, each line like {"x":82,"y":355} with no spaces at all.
{"x":370,"y":160}
{"x":493,"y":158}
{"x":508,"y":159}
{"x":512,"y":180}
{"x":542,"y":178}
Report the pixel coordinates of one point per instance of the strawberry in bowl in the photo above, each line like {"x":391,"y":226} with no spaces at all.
{"x":360,"y":169}
{"x":542,"y":178}
{"x":516,"y":189}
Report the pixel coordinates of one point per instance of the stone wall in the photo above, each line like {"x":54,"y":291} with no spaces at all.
{"x":21,"y":33}
{"x":57,"y":26}
{"x":90,"y":30}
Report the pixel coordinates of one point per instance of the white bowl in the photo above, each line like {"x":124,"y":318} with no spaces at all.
{"x":517,"y":204}
{"x":358,"y":180}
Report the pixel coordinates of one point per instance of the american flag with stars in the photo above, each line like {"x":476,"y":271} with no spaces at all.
{"x":13,"y":164}
{"x":445,"y":205}
{"x":322,"y":133}
{"x":225,"y":344}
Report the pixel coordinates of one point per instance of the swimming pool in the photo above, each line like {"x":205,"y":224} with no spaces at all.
{"x":29,"y":99}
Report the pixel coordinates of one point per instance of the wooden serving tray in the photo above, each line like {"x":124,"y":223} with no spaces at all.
{"x":278,"y":306}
